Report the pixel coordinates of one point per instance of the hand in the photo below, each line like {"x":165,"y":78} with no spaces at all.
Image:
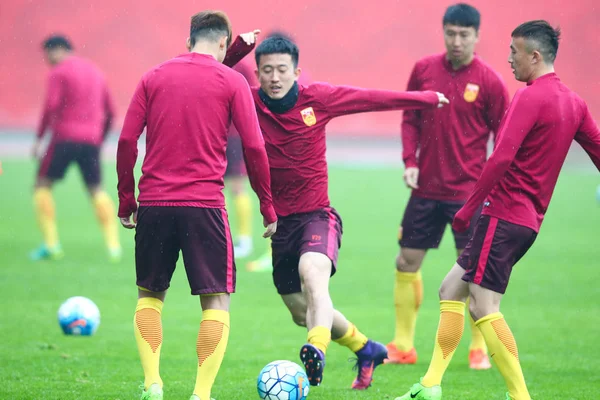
{"x":271,"y":229}
{"x":442,"y":100}
{"x":250,"y":37}
{"x":35,"y":149}
{"x":461,"y":221}
{"x":411,"y":177}
{"x":126,"y":222}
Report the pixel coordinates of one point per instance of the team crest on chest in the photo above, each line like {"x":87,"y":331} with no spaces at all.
{"x":471,"y":92}
{"x":309,"y":117}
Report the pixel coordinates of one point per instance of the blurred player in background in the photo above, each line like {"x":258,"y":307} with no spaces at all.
{"x":444,"y":152}
{"x":305,"y":247}
{"x":265,"y":261}
{"x":187,"y":104}
{"x":516,"y":184}
{"x":78,"y":111}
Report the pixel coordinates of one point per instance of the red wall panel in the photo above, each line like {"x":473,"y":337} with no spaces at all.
{"x":371,"y":44}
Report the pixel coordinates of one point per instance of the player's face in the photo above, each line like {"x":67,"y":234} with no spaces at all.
{"x":276,"y":74}
{"x":54,"y":56}
{"x":460,"y":43}
{"x":520,"y":60}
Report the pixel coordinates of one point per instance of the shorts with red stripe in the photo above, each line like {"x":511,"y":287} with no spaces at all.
{"x":317,"y":231}
{"x":494,"y":249}
{"x":204,"y":239}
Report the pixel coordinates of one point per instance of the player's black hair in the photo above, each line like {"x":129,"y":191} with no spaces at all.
{"x":210,"y":25}
{"x":543,"y":37}
{"x":277,"y":45}
{"x":462,"y":14}
{"x":55,"y":42}
{"x":279,"y":34}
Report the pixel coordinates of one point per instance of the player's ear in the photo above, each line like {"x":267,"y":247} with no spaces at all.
{"x":536,"y":57}
{"x":298,"y":72}
{"x":223,"y":43}
{"x":257,"y":74}
{"x":188,"y":44}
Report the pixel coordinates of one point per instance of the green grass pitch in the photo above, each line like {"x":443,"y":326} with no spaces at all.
{"x":551,"y":305}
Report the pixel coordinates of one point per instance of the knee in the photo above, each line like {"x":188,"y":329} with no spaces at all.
{"x":479,"y":308}
{"x":451,"y":290}
{"x":473,"y":311}
{"x":406,"y":264}
{"x":94,"y":190}
{"x":314,"y":273}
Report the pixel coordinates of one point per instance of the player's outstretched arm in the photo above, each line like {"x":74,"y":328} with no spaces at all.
{"x":588,"y":137}
{"x":241,"y":46}
{"x":243,"y":114}
{"x":346,"y":100}
{"x":520,"y":118}
{"x":127,"y":152}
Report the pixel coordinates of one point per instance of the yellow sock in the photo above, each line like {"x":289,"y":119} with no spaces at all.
{"x":449,"y":333}
{"x":320,"y":337}
{"x":408,"y":294}
{"x":352,"y":339}
{"x":105,"y":211}
{"x":147,"y":326}
{"x":477,"y":340}
{"x":46,"y":216}
{"x":503,"y":348}
{"x":210,"y":347}
{"x":243,"y":208}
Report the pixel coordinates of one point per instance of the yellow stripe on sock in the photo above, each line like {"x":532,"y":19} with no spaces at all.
{"x":147,"y":326}
{"x":320,"y":337}
{"x":210,"y":347}
{"x":408,"y":294}
{"x":449,"y":333}
{"x":105,"y":211}
{"x":504,"y":352}
{"x":46,"y":216}
{"x":352,"y":339}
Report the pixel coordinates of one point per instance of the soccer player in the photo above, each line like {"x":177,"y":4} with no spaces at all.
{"x":186,"y":105}
{"x":78,"y":111}
{"x":265,"y":261}
{"x":516,"y":183}
{"x":443,"y":152}
{"x":305,"y":247}
{"x":235,"y":178}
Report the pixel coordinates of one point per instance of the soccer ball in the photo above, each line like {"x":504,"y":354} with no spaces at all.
{"x":79,"y":316}
{"x":282,"y":380}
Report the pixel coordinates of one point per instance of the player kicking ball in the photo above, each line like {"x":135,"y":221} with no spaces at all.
{"x":305,"y":247}
{"x":516,"y":184}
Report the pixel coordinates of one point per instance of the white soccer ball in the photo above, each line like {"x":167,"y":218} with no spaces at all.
{"x":79,"y":316}
{"x":282,"y":380}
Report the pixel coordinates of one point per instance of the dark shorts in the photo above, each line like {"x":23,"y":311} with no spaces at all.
{"x":317,"y":231}
{"x":59,"y":157}
{"x":493,"y":251}
{"x":202,"y":235}
{"x":425,"y":221}
{"x":235,"y":157}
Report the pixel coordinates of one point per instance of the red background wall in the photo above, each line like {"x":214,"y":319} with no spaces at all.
{"x":371,"y":44}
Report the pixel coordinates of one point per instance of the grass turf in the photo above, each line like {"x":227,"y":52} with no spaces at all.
{"x":551,"y":305}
